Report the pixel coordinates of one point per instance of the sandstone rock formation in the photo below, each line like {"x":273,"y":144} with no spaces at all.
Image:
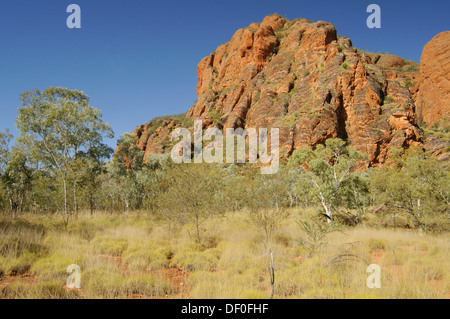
{"x":155,"y":136}
{"x":300,"y":77}
{"x":433,"y":97}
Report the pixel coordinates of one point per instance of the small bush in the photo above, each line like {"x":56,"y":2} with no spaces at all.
{"x":388,"y":99}
{"x":376,"y":244}
{"x":51,"y":290}
{"x":211,"y":242}
{"x":283,"y":239}
{"x":103,"y":282}
{"x":148,"y":285}
{"x":42,"y":290}
{"x":114,"y":247}
{"x":17,"y":265}
{"x":344,"y":67}
{"x":16,"y":290}
{"x":145,"y":257}
{"x":194,"y":260}
{"x":54,"y":267}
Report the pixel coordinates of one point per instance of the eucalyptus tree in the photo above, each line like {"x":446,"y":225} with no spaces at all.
{"x":191,"y":194}
{"x":57,"y":124}
{"x":5,"y":139}
{"x":327,"y":170}
{"x":417,"y":185}
{"x":16,"y":180}
{"x":127,"y":171}
{"x":92,"y":164}
{"x":267,"y":199}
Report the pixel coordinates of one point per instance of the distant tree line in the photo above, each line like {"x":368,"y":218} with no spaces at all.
{"x":59,"y":164}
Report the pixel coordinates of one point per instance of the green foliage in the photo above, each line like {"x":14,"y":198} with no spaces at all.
{"x":315,"y":232}
{"x":191,"y":194}
{"x":56,"y":125}
{"x":45,"y":290}
{"x":16,"y":180}
{"x":215,"y":116}
{"x":388,"y":99}
{"x":105,"y":245}
{"x":51,"y":290}
{"x":266,"y":200}
{"x":5,"y":139}
{"x":329,"y":174}
{"x":130,"y":173}
{"x":147,"y":285}
{"x":21,"y":244}
{"x":416,"y":186}
{"x":376,"y":244}
{"x":413,"y":67}
{"x":290,"y":119}
{"x":413,"y":266}
{"x":344,"y":67}
{"x":196,"y":260}
{"x":143,"y":257}
{"x":408,"y":82}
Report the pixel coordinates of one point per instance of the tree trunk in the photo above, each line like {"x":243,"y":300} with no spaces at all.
{"x":75,"y":204}
{"x":13,"y":209}
{"x":328,"y":213}
{"x":66,"y":216}
{"x":198,"y":230}
{"x":92,"y":204}
{"x":127,"y":204}
{"x":419,"y":216}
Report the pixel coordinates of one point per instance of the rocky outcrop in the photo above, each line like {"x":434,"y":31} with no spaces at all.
{"x":155,"y":136}
{"x":433,"y":97}
{"x":300,"y":77}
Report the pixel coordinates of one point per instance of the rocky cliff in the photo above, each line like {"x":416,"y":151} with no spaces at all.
{"x":433,"y":97}
{"x":300,"y":77}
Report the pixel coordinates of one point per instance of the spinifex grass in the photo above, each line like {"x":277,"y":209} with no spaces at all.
{"x":136,"y":256}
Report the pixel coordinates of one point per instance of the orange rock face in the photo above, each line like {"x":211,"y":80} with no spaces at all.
{"x":433,"y":98}
{"x":298,"y":76}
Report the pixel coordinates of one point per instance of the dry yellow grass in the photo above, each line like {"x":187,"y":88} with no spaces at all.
{"x":135,"y":256}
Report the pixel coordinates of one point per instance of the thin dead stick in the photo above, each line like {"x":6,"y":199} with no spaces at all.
{"x":271,"y":268}
{"x":350,"y":243}
{"x":345,"y":257}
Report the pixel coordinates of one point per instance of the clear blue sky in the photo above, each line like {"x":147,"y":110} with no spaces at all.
{"x":137,"y":59}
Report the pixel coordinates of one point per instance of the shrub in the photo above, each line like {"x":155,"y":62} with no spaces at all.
{"x":194,"y":260}
{"x":42,"y":290}
{"x":16,"y":290}
{"x":147,"y":257}
{"x":114,"y":247}
{"x":148,"y":285}
{"x":343,"y":67}
{"x":54,"y":267}
{"x":17,"y":265}
{"x":51,"y":290}
{"x":103,"y":282}
{"x":283,"y":239}
{"x":211,"y":242}
{"x":376,"y":244}
{"x":388,"y":99}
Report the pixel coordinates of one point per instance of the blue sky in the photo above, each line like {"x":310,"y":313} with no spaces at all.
{"x":137,"y":59}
